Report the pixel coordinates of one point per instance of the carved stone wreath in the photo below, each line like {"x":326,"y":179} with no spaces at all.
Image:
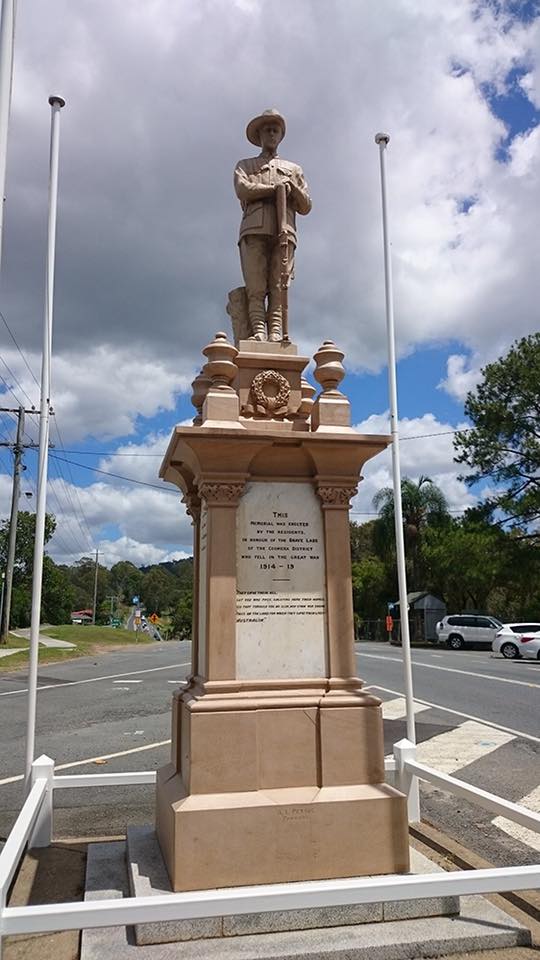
{"x":271,"y":392}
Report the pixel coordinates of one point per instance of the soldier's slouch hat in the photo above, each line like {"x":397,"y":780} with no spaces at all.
{"x":254,"y":126}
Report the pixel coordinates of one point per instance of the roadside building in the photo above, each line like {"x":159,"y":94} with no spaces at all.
{"x":425,"y":610}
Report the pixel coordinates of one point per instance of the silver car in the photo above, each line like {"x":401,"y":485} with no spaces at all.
{"x":460,"y":630}
{"x":517,"y":640}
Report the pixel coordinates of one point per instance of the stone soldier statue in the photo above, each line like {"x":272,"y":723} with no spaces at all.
{"x":255,"y":181}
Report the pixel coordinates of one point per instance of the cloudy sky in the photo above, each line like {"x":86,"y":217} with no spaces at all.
{"x":158,"y":96}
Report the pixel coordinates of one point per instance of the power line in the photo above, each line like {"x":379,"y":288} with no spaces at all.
{"x":69,"y":485}
{"x":29,"y":368}
{"x":19,"y":384}
{"x":117,"y":476}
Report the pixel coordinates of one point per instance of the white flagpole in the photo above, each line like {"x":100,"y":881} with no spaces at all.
{"x":382,"y":140}
{"x":7,"y":36}
{"x":39,"y":542}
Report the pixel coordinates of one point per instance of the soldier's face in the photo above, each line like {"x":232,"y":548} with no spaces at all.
{"x":270,"y":135}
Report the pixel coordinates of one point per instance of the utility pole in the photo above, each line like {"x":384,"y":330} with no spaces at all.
{"x":112,"y":599}
{"x":15,"y":491}
{"x":95,"y":589}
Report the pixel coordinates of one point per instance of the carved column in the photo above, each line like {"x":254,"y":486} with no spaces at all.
{"x":217,"y":578}
{"x":193,"y":507}
{"x":335,"y":503}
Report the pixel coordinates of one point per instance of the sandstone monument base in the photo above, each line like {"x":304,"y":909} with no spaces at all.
{"x":277,"y":765}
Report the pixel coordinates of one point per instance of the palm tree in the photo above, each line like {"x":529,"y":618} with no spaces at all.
{"x":423,"y":505}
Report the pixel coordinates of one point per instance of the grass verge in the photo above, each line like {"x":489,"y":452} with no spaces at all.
{"x":89,"y":641}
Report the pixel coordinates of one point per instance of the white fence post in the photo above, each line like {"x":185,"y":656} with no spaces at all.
{"x":408,"y":784}
{"x":41,"y":835}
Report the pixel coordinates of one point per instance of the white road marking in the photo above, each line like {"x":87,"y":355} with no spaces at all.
{"x":466,"y":673}
{"x":74,"y":683}
{"x":395,"y":709}
{"x":457,"y":713}
{"x":530,"y":837}
{"x":461,"y":746}
{"x":127,"y":681}
{"x":103,"y":756}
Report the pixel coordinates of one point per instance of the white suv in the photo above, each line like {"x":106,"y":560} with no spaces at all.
{"x":461,"y":629}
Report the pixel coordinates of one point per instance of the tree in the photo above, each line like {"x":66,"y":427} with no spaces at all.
{"x":504,"y":442}
{"x":57,"y":593}
{"x":125,"y":580}
{"x":464,"y":563}
{"x":182,"y":618}
{"x":362,"y":542}
{"x":423,"y":505}
{"x":82,"y":578}
{"x":159,"y":590}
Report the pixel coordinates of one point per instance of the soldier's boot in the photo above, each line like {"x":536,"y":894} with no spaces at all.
{"x":257,"y":321}
{"x":274,"y":327}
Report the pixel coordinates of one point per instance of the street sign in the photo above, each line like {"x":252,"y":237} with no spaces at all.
{"x":153,"y":618}
{"x":137,"y":621}
{"x":135,"y":600}
{"x":137,"y":613}
{"x":389,"y":623}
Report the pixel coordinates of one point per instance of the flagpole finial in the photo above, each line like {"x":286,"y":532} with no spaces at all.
{"x":382,"y":138}
{"x":59,"y":100}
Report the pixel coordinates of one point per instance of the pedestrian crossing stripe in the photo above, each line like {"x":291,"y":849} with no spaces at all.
{"x":515,"y":830}
{"x":455,"y":749}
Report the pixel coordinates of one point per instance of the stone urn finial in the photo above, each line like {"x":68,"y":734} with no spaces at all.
{"x":220,"y":403}
{"x":308,"y":392}
{"x":329,"y":370}
{"x":199,"y":386}
{"x":221,"y":368}
{"x":331,"y":410}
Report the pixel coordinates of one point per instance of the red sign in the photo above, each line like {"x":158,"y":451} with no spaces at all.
{"x":389,"y":623}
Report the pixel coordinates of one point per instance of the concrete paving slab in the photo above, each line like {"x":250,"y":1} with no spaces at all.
{"x":11,"y":650}
{"x":44,"y":640}
{"x":481,"y":926}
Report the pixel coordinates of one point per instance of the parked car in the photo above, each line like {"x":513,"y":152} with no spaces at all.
{"x":517,"y":640}
{"x":459,"y":630}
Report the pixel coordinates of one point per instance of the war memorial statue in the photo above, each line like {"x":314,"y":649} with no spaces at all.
{"x":271,"y":192}
{"x":277,"y":758}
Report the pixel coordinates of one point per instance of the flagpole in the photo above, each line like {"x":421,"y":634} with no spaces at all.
{"x":7,"y":37}
{"x":39,"y":542}
{"x":382,"y":140}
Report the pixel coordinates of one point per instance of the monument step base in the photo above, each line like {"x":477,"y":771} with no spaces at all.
{"x":279,"y":836}
{"x":148,"y":877}
{"x":481,"y":926}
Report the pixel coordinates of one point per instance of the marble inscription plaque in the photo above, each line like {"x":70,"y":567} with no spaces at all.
{"x":281,"y":605}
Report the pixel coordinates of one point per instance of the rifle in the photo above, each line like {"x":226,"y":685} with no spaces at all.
{"x":281,"y":205}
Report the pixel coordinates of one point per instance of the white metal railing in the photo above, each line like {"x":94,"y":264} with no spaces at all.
{"x":34,"y":827}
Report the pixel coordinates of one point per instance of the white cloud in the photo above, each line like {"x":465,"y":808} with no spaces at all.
{"x":98,"y":393}
{"x":461,"y":377}
{"x":426,"y":449}
{"x":151,"y":521}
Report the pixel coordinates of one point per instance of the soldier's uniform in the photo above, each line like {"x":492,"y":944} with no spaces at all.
{"x":259,"y":239}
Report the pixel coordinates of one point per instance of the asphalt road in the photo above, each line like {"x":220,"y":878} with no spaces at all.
{"x":480,"y":721}
{"x":478,"y":714}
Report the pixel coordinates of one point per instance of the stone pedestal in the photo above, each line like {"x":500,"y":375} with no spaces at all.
{"x":277,"y":767}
